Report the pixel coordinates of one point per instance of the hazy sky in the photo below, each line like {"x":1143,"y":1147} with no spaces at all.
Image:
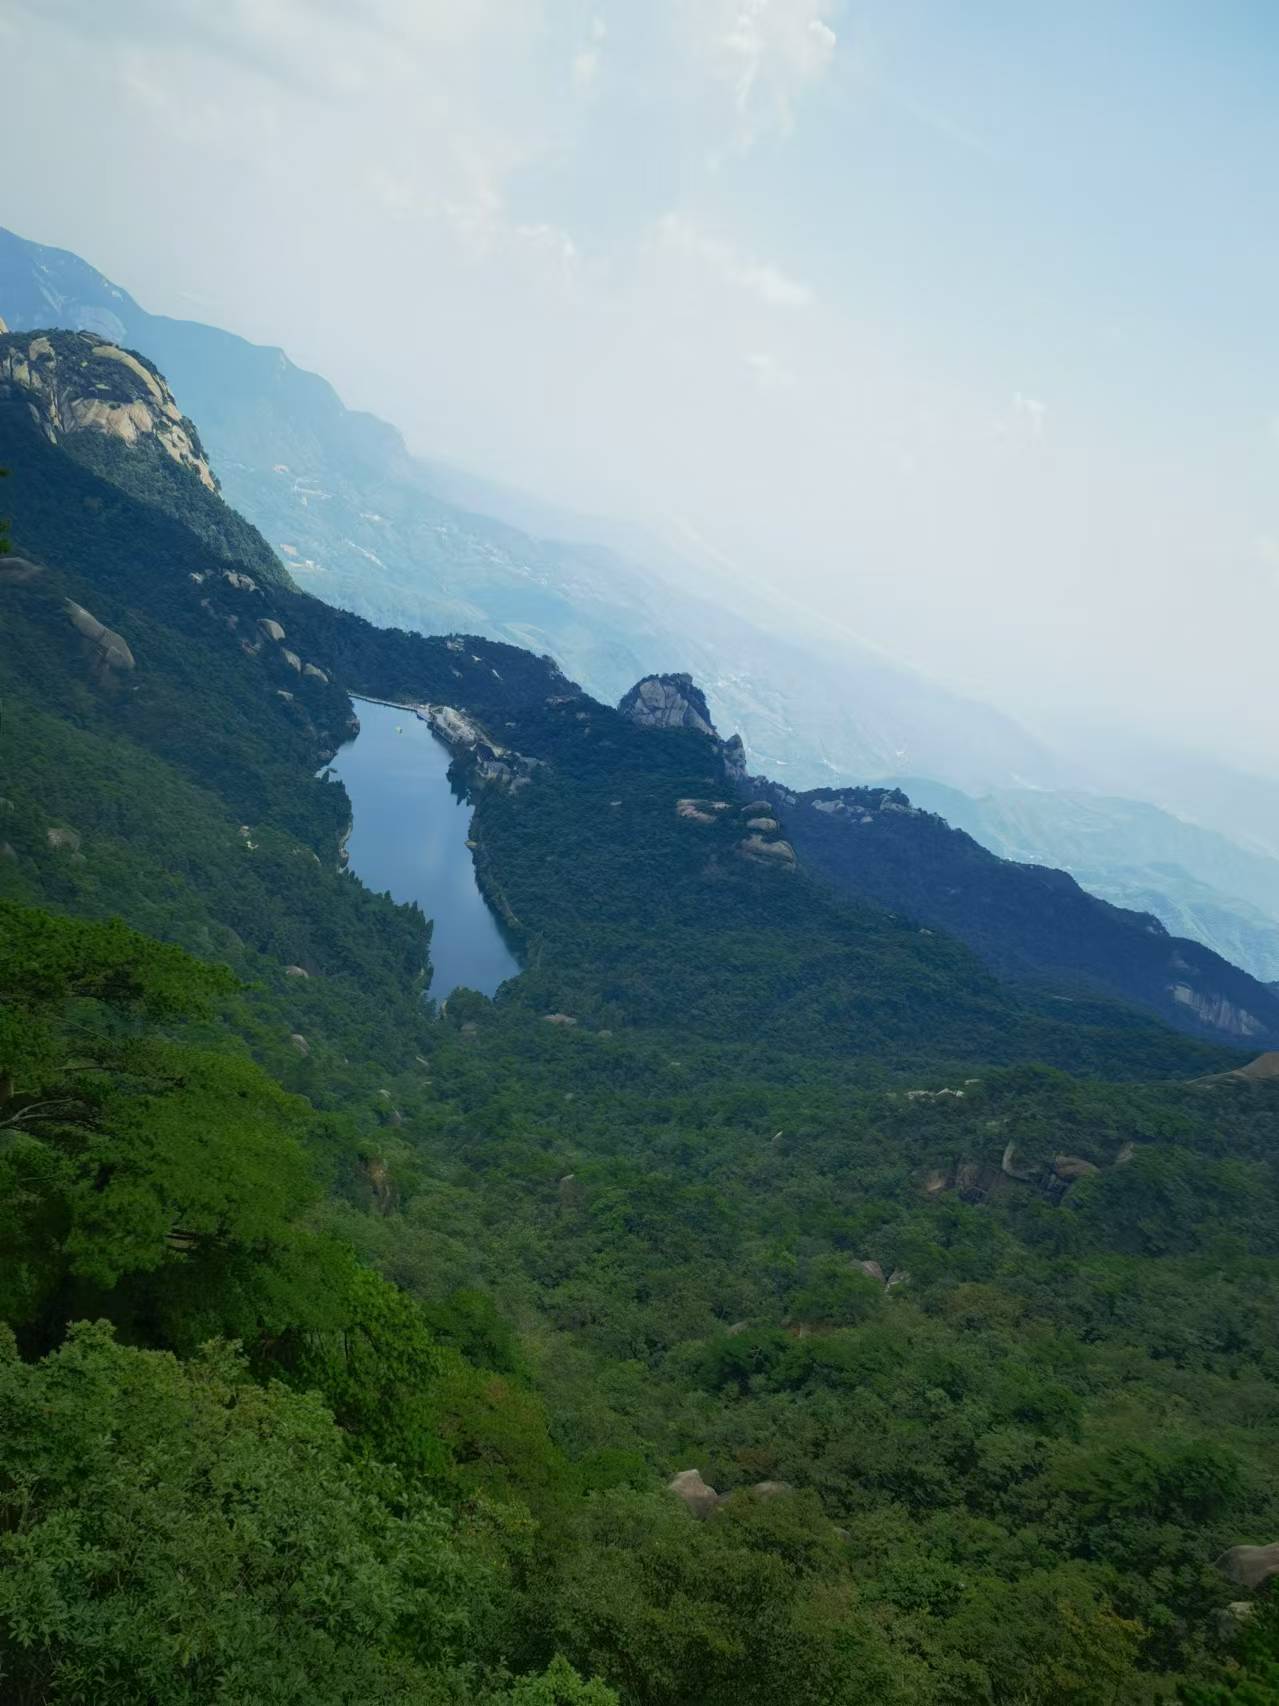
{"x":956,"y":320}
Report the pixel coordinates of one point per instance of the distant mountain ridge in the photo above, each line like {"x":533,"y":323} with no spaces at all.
{"x":1028,"y":922}
{"x":407,"y":543}
{"x":634,"y":904}
{"x":1197,"y":882}
{"x":375,"y":530}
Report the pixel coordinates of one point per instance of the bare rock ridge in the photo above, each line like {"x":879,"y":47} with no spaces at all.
{"x":86,"y":386}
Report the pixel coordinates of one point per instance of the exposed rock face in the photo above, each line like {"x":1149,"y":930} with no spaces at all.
{"x":668,"y":702}
{"x":490,"y":762}
{"x":1015,"y":1169}
{"x":779,"y":853}
{"x":700,"y":1498}
{"x":1250,"y":1566}
{"x":733,"y":753}
{"x":1215,"y":1010}
{"x":701,"y":811}
{"x":65,"y":397}
{"x":558,"y":1019}
{"x":270,"y":628}
{"x":111,"y":652}
{"x":1231,"y":1620}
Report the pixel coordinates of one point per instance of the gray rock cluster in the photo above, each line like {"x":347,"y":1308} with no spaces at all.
{"x":701,"y":1499}
{"x":668,"y":702}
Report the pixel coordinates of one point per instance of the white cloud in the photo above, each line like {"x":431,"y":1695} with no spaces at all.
{"x":679,"y":235}
{"x":766,"y":52}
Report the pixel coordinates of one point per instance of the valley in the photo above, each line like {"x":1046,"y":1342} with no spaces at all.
{"x":958,"y":1287}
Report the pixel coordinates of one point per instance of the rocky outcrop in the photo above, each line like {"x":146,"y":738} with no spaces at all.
{"x":668,"y":702}
{"x":982,"y":1181}
{"x":699,"y":1498}
{"x":488,"y":761}
{"x":1214,"y":1009}
{"x":777,"y":853}
{"x":109,"y":650}
{"x":84,"y":386}
{"x":1250,"y":1566}
{"x":1071,"y":1167}
{"x":701,"y":811}
{"x":733,"y":753}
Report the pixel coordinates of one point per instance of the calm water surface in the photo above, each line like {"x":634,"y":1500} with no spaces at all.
{"x":409,"y":839}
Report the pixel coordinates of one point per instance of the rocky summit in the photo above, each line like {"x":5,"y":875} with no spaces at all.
{"x":667,"y":702}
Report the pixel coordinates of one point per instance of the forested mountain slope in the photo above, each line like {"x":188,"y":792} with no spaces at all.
{"x":1198,"y":882}
{"x":1028,"y":922}
{"x":979,"y":1357}
{"x":371,"y":528}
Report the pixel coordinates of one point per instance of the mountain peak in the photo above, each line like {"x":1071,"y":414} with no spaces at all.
{"x":75,"y":383}
{"x":668,"y":702}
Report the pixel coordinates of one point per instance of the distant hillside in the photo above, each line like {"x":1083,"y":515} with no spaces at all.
{"x":630,"y":901}
{"x":1197,"y":882}
{"x":364,"y":525}
{"x":1028,"y":922}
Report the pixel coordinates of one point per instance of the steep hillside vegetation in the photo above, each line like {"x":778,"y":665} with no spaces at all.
{"x":1028,"y":922}
{"x":1198,"y":882}
{"x":734,"y":1312}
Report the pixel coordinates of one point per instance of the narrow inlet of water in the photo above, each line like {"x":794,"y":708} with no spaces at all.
{"x":409,"y":838}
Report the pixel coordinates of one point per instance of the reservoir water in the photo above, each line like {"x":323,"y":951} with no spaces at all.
{"x":409,"y":839}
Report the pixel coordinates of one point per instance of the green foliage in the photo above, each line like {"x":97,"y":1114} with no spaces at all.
{"x":1250,"y":1675}
{"x":174,"y":1532}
